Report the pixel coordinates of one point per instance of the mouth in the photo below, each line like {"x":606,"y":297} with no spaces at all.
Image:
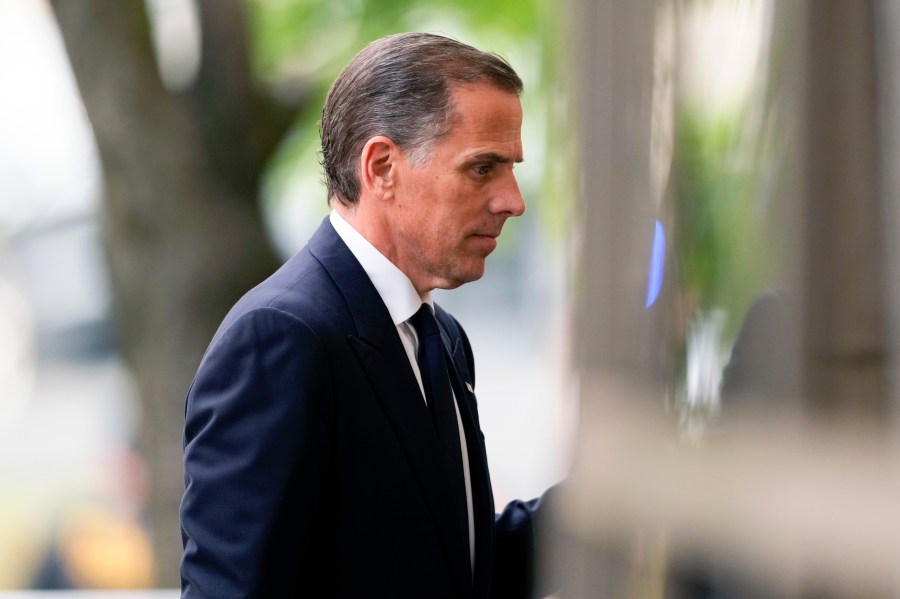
{"x":491,"y":232}
{"x":486,"y":239}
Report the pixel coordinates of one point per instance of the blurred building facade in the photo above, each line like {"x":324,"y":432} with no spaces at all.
{"x":737,"y":437}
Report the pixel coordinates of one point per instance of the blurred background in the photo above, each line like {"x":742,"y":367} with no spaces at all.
{"x":694,"y":324}
{"x":158,"y":159}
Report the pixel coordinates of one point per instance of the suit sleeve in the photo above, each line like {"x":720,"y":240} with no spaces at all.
{"x":256,"y":458}
{"x":519,"y":530}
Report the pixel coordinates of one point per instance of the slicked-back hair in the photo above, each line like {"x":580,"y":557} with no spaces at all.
{"x":400,"y":87}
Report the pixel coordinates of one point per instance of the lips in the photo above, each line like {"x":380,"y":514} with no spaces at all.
{"x":486,"y":241}
{"x":492,"y":233}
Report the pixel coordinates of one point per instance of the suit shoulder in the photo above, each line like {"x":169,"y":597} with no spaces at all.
{"x":300,"y":292}
{"x":301,"y":287}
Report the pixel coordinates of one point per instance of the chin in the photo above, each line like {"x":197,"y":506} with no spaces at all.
{"x":460,"y":279}
{"x":462,"y":274}
{"x":470,"y":276}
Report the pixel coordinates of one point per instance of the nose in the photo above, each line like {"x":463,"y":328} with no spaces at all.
{"x":509,"y":200}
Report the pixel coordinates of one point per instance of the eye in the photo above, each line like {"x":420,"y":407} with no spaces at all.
{"x":482,"y":169}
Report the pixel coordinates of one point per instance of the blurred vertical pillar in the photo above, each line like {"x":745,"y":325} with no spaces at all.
{"x":843,"y":277}
{"x":616,"y":340}
{"x":615,"y":73}
{"x":887,"y":35}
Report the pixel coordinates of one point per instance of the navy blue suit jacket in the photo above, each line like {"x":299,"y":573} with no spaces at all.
{"x":311,"y":464}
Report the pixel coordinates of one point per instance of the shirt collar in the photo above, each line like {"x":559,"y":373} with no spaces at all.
{"x":396,"y":290}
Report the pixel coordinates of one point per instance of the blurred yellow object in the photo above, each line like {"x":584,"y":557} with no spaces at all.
{"x":103,"y":551}
{"x":21,"y":541}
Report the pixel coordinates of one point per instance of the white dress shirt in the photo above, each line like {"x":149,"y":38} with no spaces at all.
{"x":403,"y":301}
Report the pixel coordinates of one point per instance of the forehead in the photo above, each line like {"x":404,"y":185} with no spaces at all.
{"x":485,"y":115}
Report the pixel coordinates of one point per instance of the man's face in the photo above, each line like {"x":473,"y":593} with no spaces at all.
{"x":449,"y":211}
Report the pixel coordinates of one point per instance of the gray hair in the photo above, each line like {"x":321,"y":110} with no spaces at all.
{"x":401,"y":87}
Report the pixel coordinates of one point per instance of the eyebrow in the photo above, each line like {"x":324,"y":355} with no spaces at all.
{"x":494,"y":157}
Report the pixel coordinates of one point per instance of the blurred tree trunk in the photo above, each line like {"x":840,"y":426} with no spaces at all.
{"x":181,"y":220}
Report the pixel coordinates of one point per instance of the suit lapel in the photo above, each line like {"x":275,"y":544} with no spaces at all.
{"x":482,"y":495}
{"x":382,"y":357}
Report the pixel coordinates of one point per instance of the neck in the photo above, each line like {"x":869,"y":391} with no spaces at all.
{"x":362,"y":219}
{"x":375,"y":228}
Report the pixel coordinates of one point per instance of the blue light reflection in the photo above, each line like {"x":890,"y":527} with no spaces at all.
{"x":657,"y":265}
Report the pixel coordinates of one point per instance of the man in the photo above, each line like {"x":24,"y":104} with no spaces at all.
{"x":332,"y":444}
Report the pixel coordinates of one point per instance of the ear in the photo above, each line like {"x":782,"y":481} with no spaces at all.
{"x":378,"y":166}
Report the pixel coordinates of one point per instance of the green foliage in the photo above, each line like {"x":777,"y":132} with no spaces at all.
{"x":324,"y":34}
{"x":721,"y":221}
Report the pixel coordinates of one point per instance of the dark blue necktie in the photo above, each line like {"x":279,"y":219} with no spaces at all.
{"x":439,"y":394}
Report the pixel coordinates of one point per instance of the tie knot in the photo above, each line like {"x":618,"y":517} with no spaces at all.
{"x":424,"y":321}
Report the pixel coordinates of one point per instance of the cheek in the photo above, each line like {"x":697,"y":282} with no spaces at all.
{"x":440,"y":236}
{"x":436,"y":213}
